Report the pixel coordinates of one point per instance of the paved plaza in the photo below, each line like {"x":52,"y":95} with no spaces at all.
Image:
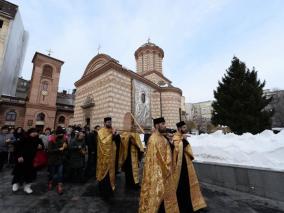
{"x":85,"y":198}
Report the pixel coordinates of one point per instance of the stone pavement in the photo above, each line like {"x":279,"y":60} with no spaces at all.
{"x":85,"y":198}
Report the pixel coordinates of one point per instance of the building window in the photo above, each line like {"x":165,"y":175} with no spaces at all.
{"x":143,"y":97}
{"x":40,"y":117}
{"x":47,"y":71}
{"x":11,"y":116}
{"x":61,"y":120}
{"x":1,"y":23}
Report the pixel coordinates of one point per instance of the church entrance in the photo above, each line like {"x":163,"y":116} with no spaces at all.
{"x":88,"y":121}
{"x":39,"y":128}
{"x":40,"y":118}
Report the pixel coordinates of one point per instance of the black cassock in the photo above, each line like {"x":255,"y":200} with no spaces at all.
{"x":91,"y":142}
{"x":183,"y":190}
{"x":104,"y":185}
{"x":127,"y":167}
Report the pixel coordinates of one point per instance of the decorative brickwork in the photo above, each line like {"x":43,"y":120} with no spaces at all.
{"x":171,"y":103}
{"x":149,"y":57}
{"x":106,"y":89}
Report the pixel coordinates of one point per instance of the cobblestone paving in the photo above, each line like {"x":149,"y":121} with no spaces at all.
{"x":85,"y":198}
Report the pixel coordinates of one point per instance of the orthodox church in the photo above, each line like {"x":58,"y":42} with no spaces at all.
{"x":109,"y":89}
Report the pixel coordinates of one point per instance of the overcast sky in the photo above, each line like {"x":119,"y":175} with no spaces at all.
{"x":199,"y":37}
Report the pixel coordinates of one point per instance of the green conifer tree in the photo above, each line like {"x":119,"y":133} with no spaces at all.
{"x":239,"y":101}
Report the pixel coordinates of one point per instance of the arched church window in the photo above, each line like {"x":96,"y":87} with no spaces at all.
{"x":143,"y":97}
{"x":47,"y":71}
{"x":61,"y":120}
{"x":11,"y":115}
{"x":40,"y":117}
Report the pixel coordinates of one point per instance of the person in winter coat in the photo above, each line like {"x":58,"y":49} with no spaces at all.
{"x":56,"y":153}
{"x":77,"y":151}
{"x":25,"y":151}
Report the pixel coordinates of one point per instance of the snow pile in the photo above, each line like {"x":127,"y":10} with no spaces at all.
{"x":264,"y":150}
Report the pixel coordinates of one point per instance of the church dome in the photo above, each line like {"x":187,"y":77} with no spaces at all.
{"x":149,"y":58}
{"x":98,"y":61}
{"x":149,"y":46}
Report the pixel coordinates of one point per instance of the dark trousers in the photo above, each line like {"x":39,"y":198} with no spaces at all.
{"x":56,"y":173}
{"x":91,"y":165}
{"x":3,"y":159}
{"x":23,"y":173}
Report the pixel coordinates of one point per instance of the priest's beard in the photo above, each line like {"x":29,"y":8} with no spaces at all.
{"x":108,"y":126}
{"x":162,"y":130}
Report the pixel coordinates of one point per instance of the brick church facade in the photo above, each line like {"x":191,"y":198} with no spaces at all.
{"x":109,"y":89}
{"x":37,"y":103}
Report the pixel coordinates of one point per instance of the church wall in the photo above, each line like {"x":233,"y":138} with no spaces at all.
{"x":145,"y":62}
{"x":111,"y":92}
{"x":155,"y":78}
{"x":20,"y":110}
{"x":158,"y":63}
{"x":160,"y":67}
{"x":171,"y":103}
{"x":99,"y":89}
{"x":68,"y":118}
{"x":139,"y":65}
{"x":155,"y":105}
{"x":31,"y":114}
{"x":149,"y":60}
{"x":121,"y":98}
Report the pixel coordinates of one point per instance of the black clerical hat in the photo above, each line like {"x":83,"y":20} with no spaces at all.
{"x":180,"y":124}
{"x":158,"y":120}
{"x":107,"y":119}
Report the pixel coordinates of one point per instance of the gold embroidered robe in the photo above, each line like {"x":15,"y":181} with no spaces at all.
{"x":123,"y":152}
{"x":197,"y":199}
{"x":158,"y":183}
{"x":106,"y":153}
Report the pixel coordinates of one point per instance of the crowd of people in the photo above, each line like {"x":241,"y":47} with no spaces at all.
{"x":66,"y":151}
{"x":169,"y":182}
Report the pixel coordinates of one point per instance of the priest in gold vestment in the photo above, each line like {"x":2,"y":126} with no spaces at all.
{"x":189,"y":195}
{"x":158,"y":192}
{"x":106,"y":158}
{"x":131,"y":150}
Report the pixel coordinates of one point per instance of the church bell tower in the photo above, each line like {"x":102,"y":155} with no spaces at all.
{"x":41,"y":103}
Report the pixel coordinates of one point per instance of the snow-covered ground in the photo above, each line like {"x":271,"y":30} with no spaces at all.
{"x":264,"y":150}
